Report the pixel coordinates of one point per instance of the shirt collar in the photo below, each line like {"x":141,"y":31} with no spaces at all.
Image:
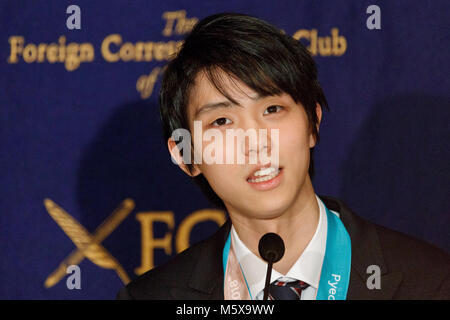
{"x":307,"y":268}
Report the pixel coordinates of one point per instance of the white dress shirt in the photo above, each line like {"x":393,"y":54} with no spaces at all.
{"x":307,"y":268}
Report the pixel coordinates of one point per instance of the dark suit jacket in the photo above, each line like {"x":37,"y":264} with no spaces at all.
{"x":410,"y":268}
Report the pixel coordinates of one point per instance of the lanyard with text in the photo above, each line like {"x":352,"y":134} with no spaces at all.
{"x":334,"y":277}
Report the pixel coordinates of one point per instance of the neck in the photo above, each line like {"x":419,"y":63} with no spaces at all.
{"x":296,"y":226}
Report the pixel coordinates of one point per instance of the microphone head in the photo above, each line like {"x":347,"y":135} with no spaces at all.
{"x":271,"y":247}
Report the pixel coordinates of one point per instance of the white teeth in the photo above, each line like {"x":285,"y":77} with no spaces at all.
{"x":264,"y":172}
{"x":268,"y":173}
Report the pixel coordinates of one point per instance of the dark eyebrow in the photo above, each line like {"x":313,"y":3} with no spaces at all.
{"x":212,"y":105}
{"x":221,"y":104}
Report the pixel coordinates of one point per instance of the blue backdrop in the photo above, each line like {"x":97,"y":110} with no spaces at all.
{"x":80,"y":131}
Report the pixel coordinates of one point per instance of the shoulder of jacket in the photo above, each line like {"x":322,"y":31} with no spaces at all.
{"x":400,"y":249}
{"x":174,"y":272}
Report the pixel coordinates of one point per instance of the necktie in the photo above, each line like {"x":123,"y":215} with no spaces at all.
{"x":280,"y":290}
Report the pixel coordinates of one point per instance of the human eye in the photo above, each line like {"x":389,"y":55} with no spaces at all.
{"x":220,"y":122}
{"x":273,"y":109}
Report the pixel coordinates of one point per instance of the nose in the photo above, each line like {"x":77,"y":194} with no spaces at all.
{"x":257,"y":144}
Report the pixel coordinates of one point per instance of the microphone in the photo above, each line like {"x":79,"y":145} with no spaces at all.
{"x":271,"y":249}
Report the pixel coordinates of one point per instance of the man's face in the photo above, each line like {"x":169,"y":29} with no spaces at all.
{"x":236,"y":184}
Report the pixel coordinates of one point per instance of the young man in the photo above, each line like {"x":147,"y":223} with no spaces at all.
{"x":236,"y":72}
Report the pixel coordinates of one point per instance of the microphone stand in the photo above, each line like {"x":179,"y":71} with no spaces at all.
{"x":271,"y":249}
{"x":268,"y":276}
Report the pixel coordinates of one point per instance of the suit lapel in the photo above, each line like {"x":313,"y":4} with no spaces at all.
{"x":206,"y":281}
{"x":366,"y":251}
{"x":358,"y":288}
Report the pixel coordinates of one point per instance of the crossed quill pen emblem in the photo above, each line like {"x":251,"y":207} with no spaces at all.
{"x":88,"y":245}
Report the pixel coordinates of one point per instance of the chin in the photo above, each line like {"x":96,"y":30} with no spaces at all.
{"x":268,"y":208}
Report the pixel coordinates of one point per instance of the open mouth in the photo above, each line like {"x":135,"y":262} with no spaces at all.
{"x":264,"y":174}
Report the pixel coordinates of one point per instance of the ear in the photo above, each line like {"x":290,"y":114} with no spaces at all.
{"x":312,"y":140}
{"x":176,"y":157}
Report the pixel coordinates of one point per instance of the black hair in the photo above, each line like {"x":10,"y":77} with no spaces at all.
{"x":247,"y":48}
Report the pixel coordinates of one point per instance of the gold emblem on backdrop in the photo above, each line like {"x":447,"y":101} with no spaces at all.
{"x":89,"y":245}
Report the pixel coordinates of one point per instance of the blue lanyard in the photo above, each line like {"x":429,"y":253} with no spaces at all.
{"x":335,"y":274}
